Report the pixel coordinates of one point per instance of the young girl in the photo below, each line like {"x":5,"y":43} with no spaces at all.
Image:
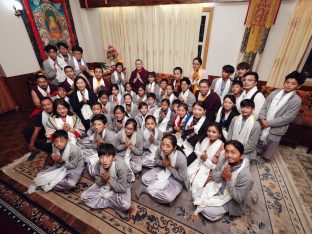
{"x":186,"y":95}
{"x":89,"y":144}
{"x":118,"y":77}
{"x":165,"y":182}
{"x":162,"y":90}
{"x":152,"y":103}
{"x":180,"y":121}
{"x":115,"y":98}
{"x":229,"y":188}
{"x":120,"y":118}
{"x":107,"y":107}
{"x":164,"y":116}
{"x":128,"y":89}
{"x":170,"y":93}
{"x":152,"y":137}
{"x":141,"y":96}
{"x":82,"y":99}
{"x":130,"y":107}
{"x":195,"y":127}
{"x":67,"y":168}
{"x":207,"y":153}
{"x":112,"y":188}
{"x":129,"y":145}
{"x":152,"y":86}
{"x":63,"y":119}
{"x":140,"y":117}
{"x":226,"y":113}
{"x":237,"y":88}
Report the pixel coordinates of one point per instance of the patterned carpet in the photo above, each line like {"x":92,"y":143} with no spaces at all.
{"x":272,"y":207}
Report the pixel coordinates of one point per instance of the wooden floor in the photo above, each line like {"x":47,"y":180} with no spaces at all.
{"x":12,"y":143}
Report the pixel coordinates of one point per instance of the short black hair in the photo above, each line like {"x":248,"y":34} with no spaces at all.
{"x":299,"y":77}
{"x":97,"y":104}
{"x":184,"y":105}
{"x":101,"y":93}
{"x":99,"y":117}
{"x":41,"y":76}
{"x":142,"y":104}
{"x":77,"y":48}
{"x":119,"y":107}
{"x":239,"y":146}
{"x":46,"y":98}
{"x":98,"y":67}
{"x":164,"y":80}
{"x":60,"y":133}
{"x":67,"y":67}
{"x":153,"y":74}
{"x":150,"y":117}
{"x":243,"y":65}
{"x":166,"y":100}
{"x":133,"y":122}
{"x":105,"y":149}
{"x":49,"y":47}
{"x":228,"y":69}
{"x":128,"y":94}
{"x":176,"y":102}
{"x":119,"y":64}
{"x":63,"y":44}
{"x":185,"y":80}
{"x":247,"y":103}
{"x":179,"y":69}
{"x":255,"y":74}
{"x":171,"y":85}
{"x":205,"y":81}
{"x":199,"y":60}
{"x":114,"y":86}
{"x":151,"y":95}
{"x":238,"y":82}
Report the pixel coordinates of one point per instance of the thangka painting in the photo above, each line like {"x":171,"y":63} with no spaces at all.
{"x":48,"y":22}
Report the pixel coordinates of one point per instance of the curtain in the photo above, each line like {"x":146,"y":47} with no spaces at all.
{"x":163,"y":36}
{"x":7,"y":102}
{"x":294,"y":44}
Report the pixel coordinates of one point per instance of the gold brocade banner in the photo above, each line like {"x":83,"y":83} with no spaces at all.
{"x":261,"y":16}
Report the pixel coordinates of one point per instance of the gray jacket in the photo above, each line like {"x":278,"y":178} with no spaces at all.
{"x":238,"y":190}
{"x":74,"y":160}
{"x":123,"y":180}
{"x":284,"y":116}
{"x":147,"y":144}
{"x":179,"y":172}
{"x":137,"y":150}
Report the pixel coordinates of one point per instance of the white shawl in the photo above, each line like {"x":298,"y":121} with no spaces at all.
{"x":95,"y":83}
{"x":86,"y":109}
{"x":163,"y":175}
{"x":208,"y":199}
{"x":47,"y":180}
{"x":199,"y":170}
{"x":121,"y":87}
{"x":128,"y":151}
{"x":153,"y":148}
{"x":244,"y":96}
{"x":77,"y":67}
{"x":58,"y":68}
{"x":163,"y":125}
{"x":277,"y":103}
{"x":218,"y":86}
{"x":69,"y":81}
{"x":184,"y":95}
{"x":45,"y":117}
{"x":151,"y":87}
{"x":242,"y":133}
{"x":44,"y":93}
{"x":59,"y":123}
{"x":198,"y":125}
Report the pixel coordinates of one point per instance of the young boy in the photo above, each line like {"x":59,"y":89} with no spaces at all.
{"x":63,"y":52}
{"x":66,"y":172}
{"x":241,"y":69}
{"x":151,"y":102}
{"x":61,"y":93}
{"x":53,"y":66}
{"x":237,"y":88}
{"x":186,"y":95}
{"x":222,"y":86}
{"x":112,"y":188}
{"x":174,"y":106}
{"x":229,"y":188}
{"x":78,"y":63}
{"x":164,"y":116}
{"x":97,"y":82}
{"x":101,"y":134}
{"x":177,"y":76}
{"x":119,"y":78}
{"x":128,"y":89}
{"x":97,"y":109}
{"x":246,"y":129}
{"x":140,"y":117}
{"x":162,"y":90}
{"x":278,"y":111}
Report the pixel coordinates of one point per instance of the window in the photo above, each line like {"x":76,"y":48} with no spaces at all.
{"x":204,"y":34}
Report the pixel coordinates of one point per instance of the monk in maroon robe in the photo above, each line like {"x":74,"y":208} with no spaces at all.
{"x":138,"y":76}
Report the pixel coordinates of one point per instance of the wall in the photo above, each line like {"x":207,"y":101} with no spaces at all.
{"x":17,"y":55}
{"x":227,"y":34}
{"x":88,"y":29}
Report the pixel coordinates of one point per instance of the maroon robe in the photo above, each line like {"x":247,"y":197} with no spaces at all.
{"x":137,"y":84}
{"x":212,"y":104}
{"x":106,"y":82}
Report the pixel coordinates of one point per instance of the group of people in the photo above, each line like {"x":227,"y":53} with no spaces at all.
{"x":189,"y":134}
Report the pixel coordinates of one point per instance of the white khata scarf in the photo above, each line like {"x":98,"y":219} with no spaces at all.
{"x":227,"y":87}
{"x":86,"y":109}
{"x":44,"y":93}
{"x":240,"y":133}
{"x":128,"y":151}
